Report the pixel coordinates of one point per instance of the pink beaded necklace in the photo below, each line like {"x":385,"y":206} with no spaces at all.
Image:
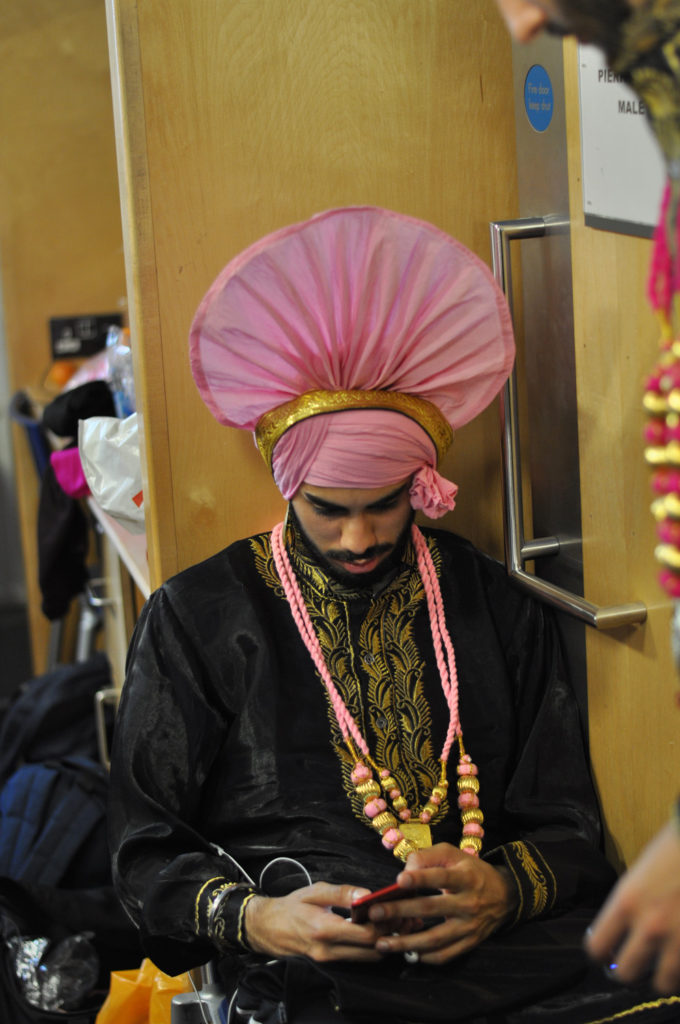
{"x":662,"y":392}
{"x":398,"y":833}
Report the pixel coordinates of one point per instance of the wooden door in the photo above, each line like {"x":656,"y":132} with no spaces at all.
{"x":633,"y":716}
{"x":241,"y":116}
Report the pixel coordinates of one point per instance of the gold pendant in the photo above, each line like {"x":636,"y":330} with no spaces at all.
{"x":417,"y":833}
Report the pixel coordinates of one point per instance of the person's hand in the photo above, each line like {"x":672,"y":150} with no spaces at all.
{"x":639,"y":925}
{"x":476,"y":899}
{"x":303,"y":924}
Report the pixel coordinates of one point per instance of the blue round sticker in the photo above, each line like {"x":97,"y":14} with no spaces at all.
{"x":538,"y":97}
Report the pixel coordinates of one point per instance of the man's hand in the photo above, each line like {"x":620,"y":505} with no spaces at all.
{"x":303,"y":924}
{"x":476,"y":899}
{"x":639,"y":925}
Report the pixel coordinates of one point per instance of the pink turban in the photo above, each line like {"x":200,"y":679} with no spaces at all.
{"x":353,"y":345}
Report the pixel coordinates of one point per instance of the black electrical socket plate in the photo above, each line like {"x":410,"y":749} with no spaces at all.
{"x":73,"y":337}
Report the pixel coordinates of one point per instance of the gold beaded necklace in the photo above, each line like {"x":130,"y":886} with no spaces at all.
{"x":373,"y":784}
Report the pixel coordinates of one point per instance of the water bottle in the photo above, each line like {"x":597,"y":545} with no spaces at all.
{"x":121,"y":379}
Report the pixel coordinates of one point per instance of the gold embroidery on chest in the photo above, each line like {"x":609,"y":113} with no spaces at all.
{"x":392,"y":667}
{"x":261,"y":547}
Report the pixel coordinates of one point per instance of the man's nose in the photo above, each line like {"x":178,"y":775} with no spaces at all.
{"x":358,"y":534}
{"x":525,"y":22}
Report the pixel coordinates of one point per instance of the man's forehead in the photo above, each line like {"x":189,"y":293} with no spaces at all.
{"x":341,"y":497}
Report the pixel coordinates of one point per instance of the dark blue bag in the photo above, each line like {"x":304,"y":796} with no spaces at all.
{"x":53,"y":824}
{"x":54,"y":855}
{"x":53,"y":716}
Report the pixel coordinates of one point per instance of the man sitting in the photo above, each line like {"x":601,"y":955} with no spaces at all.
{"x":350,"y":700}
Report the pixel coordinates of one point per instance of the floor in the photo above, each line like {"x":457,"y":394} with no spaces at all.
{"x":15,"y":658}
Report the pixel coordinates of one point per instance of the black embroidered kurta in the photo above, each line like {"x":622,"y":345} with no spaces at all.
{"x":226,"y":736}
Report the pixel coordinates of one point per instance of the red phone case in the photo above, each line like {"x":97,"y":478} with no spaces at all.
{"x":361,"y":907}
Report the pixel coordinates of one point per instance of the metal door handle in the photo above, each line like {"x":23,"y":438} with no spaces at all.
{"x":91,"y":593}
{"x":102,"y":700}
{"x":517,"y":549}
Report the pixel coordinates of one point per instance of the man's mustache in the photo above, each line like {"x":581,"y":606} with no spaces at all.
{"x":352,"y":556}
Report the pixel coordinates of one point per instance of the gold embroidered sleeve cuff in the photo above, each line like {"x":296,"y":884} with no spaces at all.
{"x":220,"y":912}
{"x":536,"y":885}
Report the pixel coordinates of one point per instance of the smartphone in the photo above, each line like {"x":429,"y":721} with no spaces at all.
{"x":361,"y":907}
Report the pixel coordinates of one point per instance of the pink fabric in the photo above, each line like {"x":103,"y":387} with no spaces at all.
{"x":355,"y":298}
{"x":68,"y":470}
{"x":323,"y":450}
{"x":432,"y":493}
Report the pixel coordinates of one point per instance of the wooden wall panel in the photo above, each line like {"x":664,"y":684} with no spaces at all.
{"x":631,"y":680}
{"x":241,"y":116}
{"x":60,"y":233}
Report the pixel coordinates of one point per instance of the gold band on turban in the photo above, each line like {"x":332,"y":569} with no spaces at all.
{"x":277,"y":421}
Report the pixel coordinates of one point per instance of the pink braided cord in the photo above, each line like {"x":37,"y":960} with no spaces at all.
{"x":304,"y":624}
{"x":446,"y":666}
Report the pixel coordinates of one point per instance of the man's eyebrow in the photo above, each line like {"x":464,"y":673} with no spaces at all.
{"x":331,"y":506}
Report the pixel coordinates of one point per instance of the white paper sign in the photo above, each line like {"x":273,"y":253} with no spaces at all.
{"x":623,"y":169}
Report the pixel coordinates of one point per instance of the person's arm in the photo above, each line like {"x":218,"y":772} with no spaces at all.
{"x":476,"y":900}
{"x":307,"y":923}
{"x":187,"y":899}
{"x":638,"y":928}
{"x":551,"y":829}
{"x":168,"y":732}
{"x":548,"y":858}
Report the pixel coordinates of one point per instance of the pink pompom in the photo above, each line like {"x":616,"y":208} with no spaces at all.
{"x":405,"y":814}
{"x":473,"y":829}
{"x":374,"y":807}
{"x":391,"y":837}
{"x":668,"y":530}
{"x":468,"y":800}
{"x":670,"y":583}
{"x":655,"y":432}
{"x":360,"y":772}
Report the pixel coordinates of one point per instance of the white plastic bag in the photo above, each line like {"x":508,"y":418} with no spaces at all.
{"x":109,"y":452}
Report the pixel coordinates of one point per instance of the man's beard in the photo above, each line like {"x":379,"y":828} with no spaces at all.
{"x":364,"y":580}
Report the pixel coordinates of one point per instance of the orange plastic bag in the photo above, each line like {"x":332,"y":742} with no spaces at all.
{"x":142,"y":996}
